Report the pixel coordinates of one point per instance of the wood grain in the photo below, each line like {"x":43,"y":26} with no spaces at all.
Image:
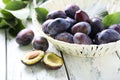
{"x":2,"y":56}
{"x":99,"y":68}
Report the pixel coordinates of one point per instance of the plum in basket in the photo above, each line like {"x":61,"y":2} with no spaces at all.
{"x":56,"y":14}
{"x":57,"y":26}
{"x":81,"y":38}
{"x":80,"y":15}
{"x":115,"y":27}
{"x":65,"y":36}
{"x":45,"y":25}
{"x":83,"y":27}
{"x":70,"y":10}
{"x":106,"y":36}
{"x":96,"y":26}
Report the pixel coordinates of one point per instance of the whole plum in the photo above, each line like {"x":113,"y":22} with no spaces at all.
{"x":25,"y":37}
{"x":80,"y":15}
{"x":45,"y":26}
{"x":81,"y":38}
{"x":83,"y":27}
{"x":72,"y":22}
{"x":115,"y":27}
{"x":57,"y":26}
{"x":106,"y":36}
{"x":96,"y":26}
{"x":40,"y":43}
{"x":65,"y":36}
{"x":56,"y":14}
{"x":70,"y":10}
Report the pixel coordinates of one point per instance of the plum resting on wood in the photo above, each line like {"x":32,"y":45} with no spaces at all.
{"x":25,"y":37}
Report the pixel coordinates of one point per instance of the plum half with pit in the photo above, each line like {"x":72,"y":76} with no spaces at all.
{"x":57,"y":26}
{"x":40,"y":43}
{"x":56,"y":14}
{"x":83,"y":27}
{"x":81,"y":15}
{"x":81,"y":38}
{"x":32,"y":57}
{"x":65,"y":36}
{"x":70,"y":10}
{"x":25,"y":37}
{"x":106,"y":36}
{"x":115,"y":27}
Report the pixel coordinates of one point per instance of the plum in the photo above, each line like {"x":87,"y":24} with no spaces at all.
{"x":106,"y":36}
{"x":65,"y":36}
{"x":56,"y":14}
{"x":81,"y":38}
{"x":115,"y":27}
{"x":70,"y":10}
{"x":45,"y":26}
{"x":32,"y":57}
{"x":80,"y":15}
{"x":96,"y":26}
{"x":83,"y":27}
{"x":40,"y":43}
{"x":25,"y":37}
{"x":57,"y":26}
{"x":52,"y":61}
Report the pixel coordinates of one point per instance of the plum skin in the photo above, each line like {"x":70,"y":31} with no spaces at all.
{"x":70,"y":10}
{"x":83,"y":27}
{"x":115,"y":27}
{"x":106,"y":36}
{"x":40,"y":43}
{"x":57,"y":26}
{"x":80,"y":15}
{"x":56,"y":14}
{"x":65,"y":36}
{"x":96,"y":26}
{"x":81,"y":38}
{"x":25,"y":37}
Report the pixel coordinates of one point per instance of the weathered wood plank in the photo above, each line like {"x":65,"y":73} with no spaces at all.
{"x":2,"y":56}
{"x":18,"y":71}
{"x":99,"y":68}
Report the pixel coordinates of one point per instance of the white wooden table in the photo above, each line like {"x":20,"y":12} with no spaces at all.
{"x":74,"y":68}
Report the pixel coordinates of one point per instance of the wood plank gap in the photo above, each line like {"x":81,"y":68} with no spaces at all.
{"x":65,"y":66}
{"x":117,"y":55}
{"x":6,"y":74}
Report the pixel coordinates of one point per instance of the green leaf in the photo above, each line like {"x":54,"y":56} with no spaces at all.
{"x":111,"y":19}
{"x":6,"y":14}
{"x":6,"y":1}
{"x":15,"y":5}
{"x":14,"y":31}
{"x":41,"y":14}
{"x":3,"y":23}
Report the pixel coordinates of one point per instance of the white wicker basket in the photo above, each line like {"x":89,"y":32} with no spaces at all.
{"x":93,"y":8}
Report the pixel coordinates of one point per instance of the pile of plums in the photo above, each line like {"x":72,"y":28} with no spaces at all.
{"x":74,"y":25}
